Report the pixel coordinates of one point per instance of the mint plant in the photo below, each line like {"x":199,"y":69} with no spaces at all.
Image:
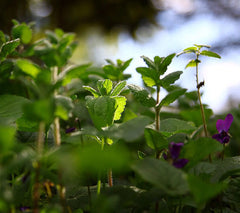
{"x":79,"y":138}
{"x":152,"y":76}
{"x":197,"y":50}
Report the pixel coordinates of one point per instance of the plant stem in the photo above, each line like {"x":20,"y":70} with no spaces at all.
{"x":37,"y":185}
{"x":57,"y":139}
{"x":157,"y":127}
{"x":56,"y":124}
{"x":201,"y":105}
{"x":200,"y":101}
{"x":110,"y":178}
{"x":157,"y":117}
{"x":157,"y":110}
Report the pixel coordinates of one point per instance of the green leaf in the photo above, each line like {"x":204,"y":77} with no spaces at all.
{"x":65,"y":106}
{"x":199,"y":149}
{"x":9,"y":47}
{"x":6,"y":68}
{"x":28,"y":67}
{"x":104,"y":86}
{"x":93,"y":91}
{"x":155,"y":140}
{"x":170,"y":78}
{"x":92,"y":160}
{"x":142,"y":95}
{"x":194,"y":115}
{"x":2,"y":38}
{"x":25,"y":125}
{"x":162,"y":175}
{"x":149,"y":75}
{"x":11,"y":108}
{"x":192,"y":63}
{"x":101,"y":110}
{"x":204,"y":191}
{"x":171,"y":97}
{"x":40,"y":110}
{"x":163,"y":64}
{"x":74,"y":72}
{"x":126,"y":64}
{"x":7,"y":136}
{"x":129,"y":130}
{"x":23,"y":32}
{"x":118,"y":88}
{"x":226,"y":168}
{"x":172,"y":126}
{"x":149,"y":62}
{"x":210,"y":54}
{"x":119,"y":106}
{"x":191,"y":49}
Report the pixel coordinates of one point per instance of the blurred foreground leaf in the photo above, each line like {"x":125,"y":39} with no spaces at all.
{"x":162,"y":175}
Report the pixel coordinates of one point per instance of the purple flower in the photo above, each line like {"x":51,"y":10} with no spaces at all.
{"x":174,"y":152}
{"x":223,"y":127}
{"x":69,"y":130}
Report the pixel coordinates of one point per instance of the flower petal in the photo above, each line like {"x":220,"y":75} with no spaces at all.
{"x":180,"y":163}
{"x":218,"y":137}
{"x":175,"y":149}
{"x":224,"y":125}
{"x":227,"y":122}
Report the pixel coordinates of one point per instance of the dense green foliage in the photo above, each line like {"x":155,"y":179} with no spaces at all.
{"x":75,"y":138}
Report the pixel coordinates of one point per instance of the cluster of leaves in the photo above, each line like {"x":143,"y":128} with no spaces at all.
{"x":110,"y":156}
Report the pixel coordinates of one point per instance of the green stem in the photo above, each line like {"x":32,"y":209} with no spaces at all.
{"x":157,"y":117}
{"x":56,"y":123}
{"x":37,"y":185}
{"x":200,"y":101}
{"x":201,"y":105}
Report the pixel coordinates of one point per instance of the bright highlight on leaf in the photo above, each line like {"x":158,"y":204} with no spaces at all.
{"x":28,"y":67}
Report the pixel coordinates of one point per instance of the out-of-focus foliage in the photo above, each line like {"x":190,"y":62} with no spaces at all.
{"x":77,"y":15}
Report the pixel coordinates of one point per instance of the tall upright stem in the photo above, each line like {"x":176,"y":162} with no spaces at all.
{"x":157,"y":117}
{"x":200,"y":101}
{"x":56,"y":124}
{"x":57,"y":139}
{"x":201,"y":105}
{"x":157,"y":110}
{"x":37,"y":185}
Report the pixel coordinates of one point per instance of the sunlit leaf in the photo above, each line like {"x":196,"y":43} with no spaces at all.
{"x":210,"y":54}
{"x":28,"y":67}
{"x":101,"y":110}
{"x":149,"y":75}
{"x":23,"y":32}
{"x":104,"y":86}
{"x":118,"y":88}
{"x":120,"y":106}
{"x":93,"y":91}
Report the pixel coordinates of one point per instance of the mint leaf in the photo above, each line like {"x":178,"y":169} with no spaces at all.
{"x":142,"y":95}
{"x":170,"y":78}
{"x":171,"y":97}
